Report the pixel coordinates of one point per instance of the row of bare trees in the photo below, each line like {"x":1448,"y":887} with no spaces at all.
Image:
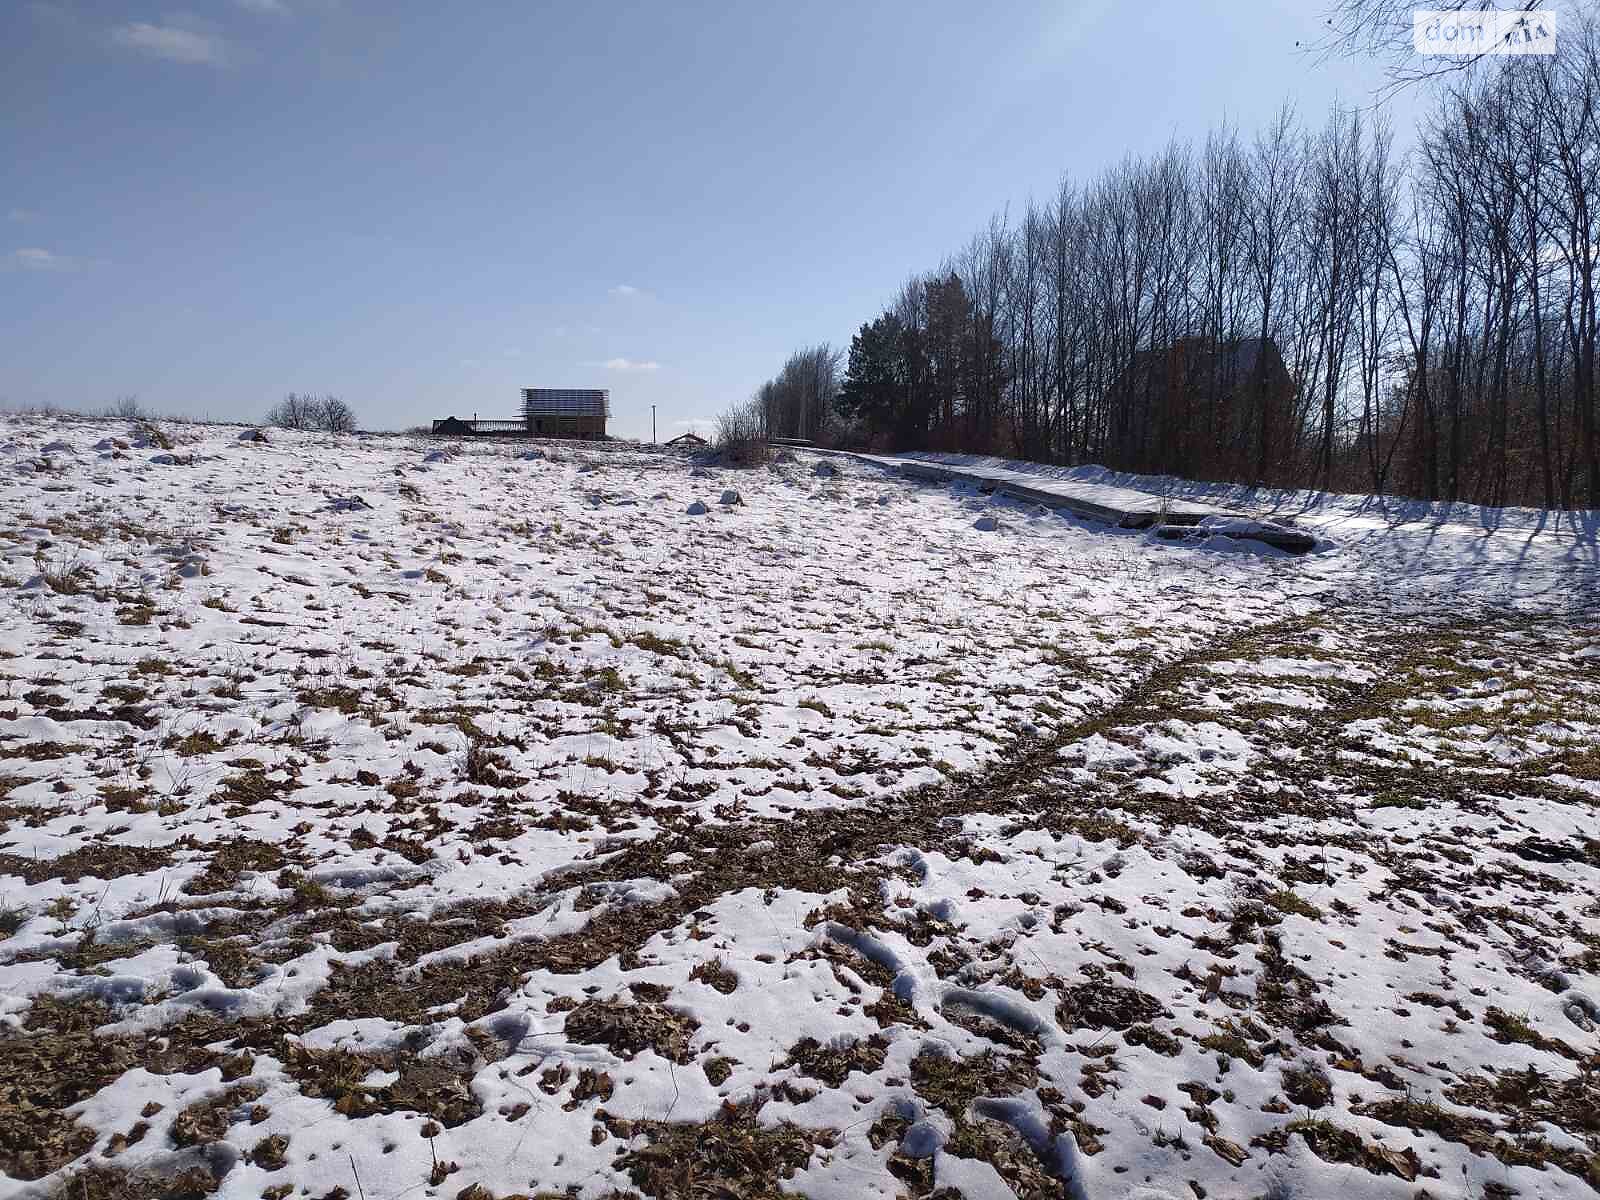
{"x":1297,"y":307}
{"x":797,"y":403}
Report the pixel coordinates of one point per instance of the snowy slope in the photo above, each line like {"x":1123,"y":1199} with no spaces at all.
{"x":411,"y":821}
{"x":1517,"y":557}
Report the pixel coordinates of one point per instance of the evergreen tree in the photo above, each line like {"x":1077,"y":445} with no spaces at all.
{"x":874,"y":391}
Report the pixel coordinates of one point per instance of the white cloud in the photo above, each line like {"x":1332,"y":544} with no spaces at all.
{"x":628,"y":364}
{"x":272,"y":8}
{"x":32,"y":258}
{"x":172,"y":43}
{"x":626,"y":290}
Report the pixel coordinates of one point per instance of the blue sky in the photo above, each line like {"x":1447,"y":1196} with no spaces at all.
{"x":422,"y":207}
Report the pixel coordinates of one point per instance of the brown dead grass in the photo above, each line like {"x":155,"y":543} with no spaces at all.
{"x":733,"y":1155}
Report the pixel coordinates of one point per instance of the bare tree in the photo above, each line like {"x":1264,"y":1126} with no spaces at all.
{"x":1272,"y":217}
{"x":327,"y":414}
{"x":799,"y":403}
{"x":1335,"y":232}
{"x":294,"y":411}
{"x":332,"y":415}
{"x":1383,"y":29}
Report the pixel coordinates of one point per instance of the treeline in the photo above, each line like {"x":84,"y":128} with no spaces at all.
{"x":1295,"y":308}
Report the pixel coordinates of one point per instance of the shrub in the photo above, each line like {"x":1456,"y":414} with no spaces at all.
{"x":741,"y":440}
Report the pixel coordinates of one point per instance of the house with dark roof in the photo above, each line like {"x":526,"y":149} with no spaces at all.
{"x":1197,"y":405}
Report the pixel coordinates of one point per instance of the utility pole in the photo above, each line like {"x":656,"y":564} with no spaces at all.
{"x":652,"y":424}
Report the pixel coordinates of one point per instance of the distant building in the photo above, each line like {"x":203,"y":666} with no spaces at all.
{"x":1201,"y":407}
{"x":1198,"y":368}
{"x":566,"y":412}
{"x":546,"y":412}
{"x":687,"y":439}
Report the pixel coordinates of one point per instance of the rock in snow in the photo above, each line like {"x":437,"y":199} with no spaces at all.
{"x":922,"y":1140}
{"x":696,"y":509}
{"x":731,"y":497}
{"x":987,"y":524}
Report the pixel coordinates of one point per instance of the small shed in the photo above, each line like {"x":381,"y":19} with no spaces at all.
{"x":687,"y":439}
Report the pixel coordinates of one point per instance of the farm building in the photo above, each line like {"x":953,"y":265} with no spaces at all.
{"x":546,"y":412}
{"x":566,"y":412}
{"x":687,"y":439}
{"x":1196,"y":407}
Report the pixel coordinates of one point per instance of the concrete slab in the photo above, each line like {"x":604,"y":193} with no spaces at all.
{"x":1122,"y":507}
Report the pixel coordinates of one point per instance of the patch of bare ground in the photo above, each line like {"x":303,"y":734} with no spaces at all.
{"x":50,"y":1064}
{"x":715,"y":973}
{"x":479,"y":984}
{"x":209,"y":1120}
{"x":733,"y":1155}
{"x":1323,"y":773}
{"x":626,"y":1029}
{"x":833,"y":1064}
{"x":436,"y":1086}
{"x":1517,"y":1144}
{"x":58,"y":1058}
{"x":1335,"y":1144}
{"x":96,"y":1182}
{"x":102,"y":860}
{"x":952,"y":1083}
{"x":1009,"y":1153}
{"x":966,"y":1090}
{"x":1097,"y":1003}
{"x":229,"y":860}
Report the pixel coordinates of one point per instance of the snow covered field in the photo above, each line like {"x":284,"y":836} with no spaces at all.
{"x":377,"y":822}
